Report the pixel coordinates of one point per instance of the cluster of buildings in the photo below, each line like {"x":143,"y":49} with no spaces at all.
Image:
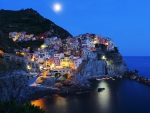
{"x":64,"y":55}
{"x":22,"y":36}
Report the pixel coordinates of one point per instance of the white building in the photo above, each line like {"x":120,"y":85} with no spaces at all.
{"x":64,"y":71}
{"x":42,"y":56}
{"x":77,"y":62}
{"x":59,"y":55}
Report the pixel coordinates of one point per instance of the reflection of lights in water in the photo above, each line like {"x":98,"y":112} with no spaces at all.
{"x":58,"y":101}
{"x":104,"y":96}
{"x":39,"y":103}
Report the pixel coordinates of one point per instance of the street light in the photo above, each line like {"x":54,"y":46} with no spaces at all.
{"x":103,"y":57}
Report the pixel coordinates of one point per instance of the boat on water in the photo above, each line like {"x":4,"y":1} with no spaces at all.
{"x":99,"y":79}
{"x":101,"y":89}
{"x":107,"y":78}
{"x":120,"y":76}
{"x":104,"y":78}
{"x":113,"y":79}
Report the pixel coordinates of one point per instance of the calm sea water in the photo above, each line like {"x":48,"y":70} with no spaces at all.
{"x":141,"y":63}
{"x":119,"y":96}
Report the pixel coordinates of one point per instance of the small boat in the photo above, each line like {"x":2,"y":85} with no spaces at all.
{"x":107,"y":78}
{"x":100,"y":89}
{"x":98,"y":79}
{"x":104,"y":78}
{"x":120,"y":76}
{"x":113,"y":79}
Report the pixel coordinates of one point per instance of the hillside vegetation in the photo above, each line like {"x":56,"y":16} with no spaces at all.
{"x":27,"y":20}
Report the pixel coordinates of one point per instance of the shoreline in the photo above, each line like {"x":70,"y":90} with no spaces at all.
{"x":50,"y":92}
{"x":66,"y":90}
{"x":77,"y":85}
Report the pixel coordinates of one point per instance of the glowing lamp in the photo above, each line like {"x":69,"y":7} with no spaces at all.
{"x":43,"y":46}
{"x":103,"y":57}
{"x":28,"y":67}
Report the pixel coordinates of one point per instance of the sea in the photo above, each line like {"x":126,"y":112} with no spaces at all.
{"x":122,"y":95}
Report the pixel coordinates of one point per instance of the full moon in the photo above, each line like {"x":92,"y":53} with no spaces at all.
{"x":57,"y":7}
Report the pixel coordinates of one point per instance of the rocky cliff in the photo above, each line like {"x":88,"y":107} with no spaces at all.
{"x":15,"y":86}
{"x":103,"y":63}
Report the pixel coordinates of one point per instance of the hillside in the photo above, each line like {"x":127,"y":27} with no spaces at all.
{"x":27,"y":20}
{"x":6,"y":44}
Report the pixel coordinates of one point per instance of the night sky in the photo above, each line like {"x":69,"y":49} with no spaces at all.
{"x":127,"y":22}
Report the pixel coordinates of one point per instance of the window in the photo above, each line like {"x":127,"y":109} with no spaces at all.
{"x":41,"y":56}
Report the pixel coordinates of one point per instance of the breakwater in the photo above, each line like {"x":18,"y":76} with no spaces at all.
{"x":133,"y":74}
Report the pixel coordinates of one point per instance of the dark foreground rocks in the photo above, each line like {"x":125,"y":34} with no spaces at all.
{"x":15,"y":86}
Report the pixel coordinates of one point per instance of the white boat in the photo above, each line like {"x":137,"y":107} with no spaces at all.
{"x":98,"y":79}
{"x":107,"y":78}
{"x":120,"y":76}
{"x":103,"y":78}
{"x":101,"y":89}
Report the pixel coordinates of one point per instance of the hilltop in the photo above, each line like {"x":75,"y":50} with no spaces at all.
{"x":27,"y":20}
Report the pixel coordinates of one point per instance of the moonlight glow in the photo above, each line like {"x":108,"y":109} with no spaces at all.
{"x":57,"y":7}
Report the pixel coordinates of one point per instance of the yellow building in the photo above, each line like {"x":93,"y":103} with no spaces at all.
{"x":72,"y":65}
{"x":65,"y":62}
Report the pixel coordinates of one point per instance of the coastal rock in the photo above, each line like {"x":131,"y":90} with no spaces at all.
{"x":39,"y":80}
{"x":48,"y":81}
{"x":81,"y":81}
{"x":69,"y":82}
{"x":119,"y":69}
{"x":113,"y":65}
{"x":11,"y":86}
{"x":15,"y":86}
{"x":94,"y":68}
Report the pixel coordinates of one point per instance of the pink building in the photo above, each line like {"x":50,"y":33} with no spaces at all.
{"x":56,"y":61}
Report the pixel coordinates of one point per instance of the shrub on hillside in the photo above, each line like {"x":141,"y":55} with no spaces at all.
{"x":13,"y":107}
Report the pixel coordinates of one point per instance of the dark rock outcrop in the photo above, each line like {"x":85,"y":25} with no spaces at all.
{"x":97,"y":67}
{"x":15,"y":86}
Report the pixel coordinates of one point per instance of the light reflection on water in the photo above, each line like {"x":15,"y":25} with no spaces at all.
{"x":39,"y":103}
{"x":86,"y":102}
{"x":52,"y":102}
{"x":104,"y":96}
{"x":119,"y":96}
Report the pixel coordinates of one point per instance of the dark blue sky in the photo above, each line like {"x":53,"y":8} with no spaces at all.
{"x":127,"y":22}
